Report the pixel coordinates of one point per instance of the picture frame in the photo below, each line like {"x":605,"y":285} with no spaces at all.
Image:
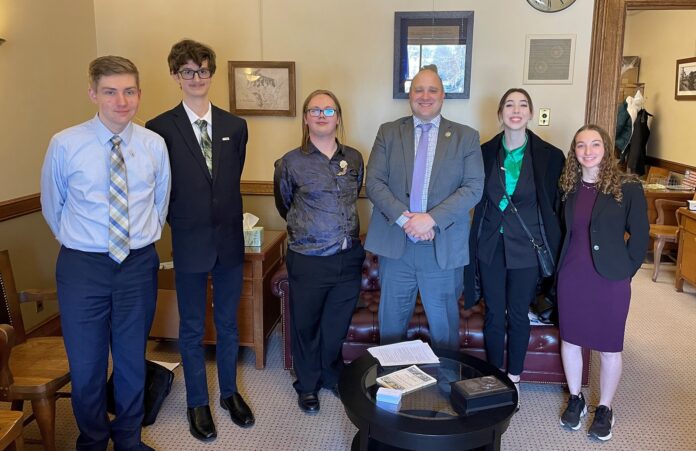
{"x":549,"y":59}
{"x":440,"y":38}
{"x":262,"y":88}
{"x":685,"y":79}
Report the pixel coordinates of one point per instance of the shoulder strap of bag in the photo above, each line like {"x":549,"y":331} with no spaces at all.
{"x":514,"y":208}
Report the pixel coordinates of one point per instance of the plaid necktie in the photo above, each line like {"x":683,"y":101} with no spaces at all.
{"x":206,"y":144}
{"x":119,"y":247}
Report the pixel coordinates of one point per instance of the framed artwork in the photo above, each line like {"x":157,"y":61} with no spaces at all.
{"x":262,"y":88}
{"x":442,"y":39}
{"x":685,"y":85}
{"x":549,"y":59}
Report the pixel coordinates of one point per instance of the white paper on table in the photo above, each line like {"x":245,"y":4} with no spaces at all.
{"x":404,"y":353}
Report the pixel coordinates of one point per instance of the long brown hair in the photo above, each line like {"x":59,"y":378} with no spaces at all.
{"x":609,"y":178}
{"x":340,"y":132}
{"x":503,"y":99}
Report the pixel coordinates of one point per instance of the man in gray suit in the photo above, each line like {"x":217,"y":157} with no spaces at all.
{"x":424,"y":175}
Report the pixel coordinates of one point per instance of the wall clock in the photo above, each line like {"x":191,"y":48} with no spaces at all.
{"x":550,"y":6}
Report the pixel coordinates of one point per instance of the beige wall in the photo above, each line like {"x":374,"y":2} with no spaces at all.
{"x":660,"y":38}
{"x":346,"y":46}
{"x":43,"y":82}
{"x":43,"y":88}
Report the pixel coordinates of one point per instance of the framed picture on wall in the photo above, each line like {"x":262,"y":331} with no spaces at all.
{"x":685,"y":85}
{"x":262,"y":88}
{"x":443,"y":39}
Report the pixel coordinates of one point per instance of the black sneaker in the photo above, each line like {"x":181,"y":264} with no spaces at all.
{"x":602,"y":423}
{"x":576,"y":409}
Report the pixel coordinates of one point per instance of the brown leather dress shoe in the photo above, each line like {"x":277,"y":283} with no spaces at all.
{"x":239,"y":410}
{"x":201,"y":423}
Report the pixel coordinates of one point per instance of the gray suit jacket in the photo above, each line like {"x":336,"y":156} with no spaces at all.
{"x":456,"y":185}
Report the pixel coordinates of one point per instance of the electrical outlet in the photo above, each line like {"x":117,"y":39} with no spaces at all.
{"x":544,"y":116}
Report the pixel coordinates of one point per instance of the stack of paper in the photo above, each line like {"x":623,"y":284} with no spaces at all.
{"x":404,"y":353}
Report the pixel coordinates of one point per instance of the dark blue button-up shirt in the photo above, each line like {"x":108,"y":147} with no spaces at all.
{"x":317,"y":197}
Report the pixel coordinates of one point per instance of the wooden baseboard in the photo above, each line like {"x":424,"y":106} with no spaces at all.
{"x":21,"y":206}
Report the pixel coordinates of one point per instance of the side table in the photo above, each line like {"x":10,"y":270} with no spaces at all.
{"x":426,"y":419}
{"x":258,"y":313}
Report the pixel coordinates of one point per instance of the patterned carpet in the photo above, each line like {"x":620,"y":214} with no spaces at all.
{"x":654,"y":407}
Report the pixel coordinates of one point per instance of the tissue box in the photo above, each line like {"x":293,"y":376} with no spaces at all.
{"x":253,"y":237}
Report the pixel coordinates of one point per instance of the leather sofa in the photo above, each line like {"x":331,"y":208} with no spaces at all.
{"x":542,"y":364}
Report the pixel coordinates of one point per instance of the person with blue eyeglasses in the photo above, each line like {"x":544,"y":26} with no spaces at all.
{"x":316,"y":190}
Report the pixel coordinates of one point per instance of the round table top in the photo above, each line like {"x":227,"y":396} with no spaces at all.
{"x":425,"y":417}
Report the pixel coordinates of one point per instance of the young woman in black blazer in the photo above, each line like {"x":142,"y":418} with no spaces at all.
{"x":602,"y":206}
{"x":520,"y":163}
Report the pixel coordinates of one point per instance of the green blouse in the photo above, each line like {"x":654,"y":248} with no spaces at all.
{"x":513,"y":167}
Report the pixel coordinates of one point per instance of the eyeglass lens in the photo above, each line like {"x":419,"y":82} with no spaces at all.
{"x":188,"y":74}
{"x":316,"y":112}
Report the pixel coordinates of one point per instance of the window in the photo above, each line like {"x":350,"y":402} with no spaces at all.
{"x":443,"y":39}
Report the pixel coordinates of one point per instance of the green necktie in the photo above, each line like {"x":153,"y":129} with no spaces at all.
{"x":206,"y":144}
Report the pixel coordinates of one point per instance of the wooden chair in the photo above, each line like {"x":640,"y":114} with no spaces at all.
{"x":30,"y":369}
{"x":661,"y":233}
{"x":11,"y":427}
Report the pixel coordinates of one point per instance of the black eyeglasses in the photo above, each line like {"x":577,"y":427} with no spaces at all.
{"x":188,"y":74}
{"x":316,"y":112}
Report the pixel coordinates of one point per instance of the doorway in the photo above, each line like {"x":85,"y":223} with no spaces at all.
{"x":606,"y":53}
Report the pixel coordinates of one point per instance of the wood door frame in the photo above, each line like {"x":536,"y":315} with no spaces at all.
{"x":606,"y":51}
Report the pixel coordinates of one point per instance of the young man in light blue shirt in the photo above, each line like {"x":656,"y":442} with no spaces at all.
{"x":104,"y":194}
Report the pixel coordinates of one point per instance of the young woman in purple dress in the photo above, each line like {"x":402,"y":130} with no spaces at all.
{"x":606,"y":237}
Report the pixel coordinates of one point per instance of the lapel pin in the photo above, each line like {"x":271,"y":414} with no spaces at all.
{"x":448,"y":134}
{"x":225,"y":138}
{"x":344,"y":167}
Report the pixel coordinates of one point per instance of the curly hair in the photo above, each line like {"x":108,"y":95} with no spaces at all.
{"x":609,"y":178}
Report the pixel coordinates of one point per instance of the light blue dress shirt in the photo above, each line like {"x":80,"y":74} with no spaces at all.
{"x":75,"y":185}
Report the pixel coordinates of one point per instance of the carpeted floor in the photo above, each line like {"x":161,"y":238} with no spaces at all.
{"x":654,"y":407}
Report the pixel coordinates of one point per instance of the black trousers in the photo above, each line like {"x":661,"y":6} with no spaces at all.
{"x":508,"y":293}
{"x":323,"y":295}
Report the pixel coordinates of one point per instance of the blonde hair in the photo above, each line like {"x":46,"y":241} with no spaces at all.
{"x":340,"y":132}
{"x":609,"y":178}
{"x":111,"y":65}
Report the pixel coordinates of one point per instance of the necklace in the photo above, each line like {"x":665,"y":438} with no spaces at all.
{"x":586,"y":185}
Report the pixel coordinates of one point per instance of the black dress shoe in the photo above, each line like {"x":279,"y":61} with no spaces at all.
{"x":239,"y":410}
{"x":308,"y":402}
{"x":201,"y":423}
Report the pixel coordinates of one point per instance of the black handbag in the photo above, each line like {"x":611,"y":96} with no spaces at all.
{"x":158,"y":384}
{"x":546,"y":263}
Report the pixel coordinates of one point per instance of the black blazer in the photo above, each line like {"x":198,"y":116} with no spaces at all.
{"x":205,"y":213}
{"x":547,"y":161}
{"x":614,"y":257}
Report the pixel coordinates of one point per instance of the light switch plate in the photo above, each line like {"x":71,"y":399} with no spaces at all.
{"x":544,"y":116}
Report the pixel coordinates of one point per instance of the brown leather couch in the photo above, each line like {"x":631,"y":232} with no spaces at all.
{"x":542,"y":364}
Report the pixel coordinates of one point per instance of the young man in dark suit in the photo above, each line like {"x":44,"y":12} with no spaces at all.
{"x":207,"y":147}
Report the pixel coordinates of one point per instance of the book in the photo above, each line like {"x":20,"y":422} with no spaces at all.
{"x":473,"y":395}
{"x":407,"y":380}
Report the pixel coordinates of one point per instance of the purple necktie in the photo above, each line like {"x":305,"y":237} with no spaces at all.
{"x":418,"y":183}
